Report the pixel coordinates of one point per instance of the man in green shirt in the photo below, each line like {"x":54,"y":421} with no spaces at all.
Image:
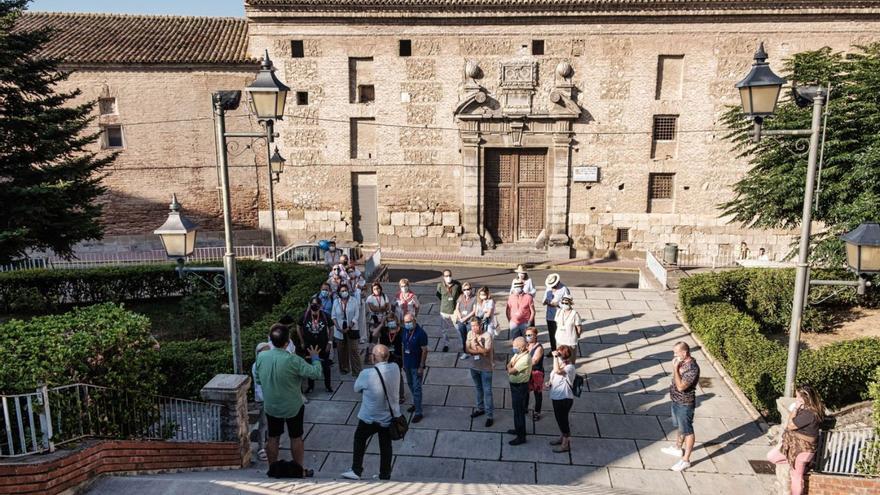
{"x":448,"y":292}
{"x":280,"y":374}
{"x":519,"y":370}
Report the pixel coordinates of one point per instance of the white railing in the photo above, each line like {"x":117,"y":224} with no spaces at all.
{"x":91,"y":260}
{"x":657,"y":269}
{"x":840,"y":450}
{"x":39,"y":421}
{"x":695,"y":260}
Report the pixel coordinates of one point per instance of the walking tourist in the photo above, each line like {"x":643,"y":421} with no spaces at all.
{"x":331,"y":256}
{"x":377,"y":306}
{"x":485,"y":311}
{"x":316,"y":330}
{"x":258,"y":400}
{"x":554,"y":291}
{"x":480,"y":345}
{"x":562,"y":394}
{"x":523,"y":276}
{"x":800,"y":437}
{"x":465,"y":309}
{"x":520,"y":310}
{"x":390,"y":335}
{"x":406,"y":301}
{"x":415,"y":353}
{"x":280,"y":375}
{"x":519,"y":370}
{"x":536,"y":383}
{"x":448,"y":292}
{"x":568,"y":325}
{"x":346,"y":313}
{"x":379,"y":405}
{"x":682,"y":391}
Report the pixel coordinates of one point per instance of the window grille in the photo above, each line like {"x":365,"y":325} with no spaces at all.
{"x":660,"y":186}
{"x":665,"y":127}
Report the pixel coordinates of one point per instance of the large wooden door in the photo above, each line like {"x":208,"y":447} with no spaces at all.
{"x":515,"y":185}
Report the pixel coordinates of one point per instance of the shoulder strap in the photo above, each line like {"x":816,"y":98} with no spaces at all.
{"x":384,"y":390}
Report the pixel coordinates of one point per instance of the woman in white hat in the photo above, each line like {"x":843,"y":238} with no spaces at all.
{"x":523,"y":276}
{"x":568,"y":326}
{"x":554,"y":291}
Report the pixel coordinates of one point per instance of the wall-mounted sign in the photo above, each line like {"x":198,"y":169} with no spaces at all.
{"x":586,"y":174}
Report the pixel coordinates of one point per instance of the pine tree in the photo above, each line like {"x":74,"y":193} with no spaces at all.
{"x":771,"y":193}
{"x":49,"y":177}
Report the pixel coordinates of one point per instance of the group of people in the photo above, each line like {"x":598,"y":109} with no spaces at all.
{"x":397,"y":346}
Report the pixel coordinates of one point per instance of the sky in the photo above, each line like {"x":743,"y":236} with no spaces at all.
{"x":215,"y":8}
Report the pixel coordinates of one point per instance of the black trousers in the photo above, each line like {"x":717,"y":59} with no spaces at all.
{"x":363,"y":433}
{"x":561,"y":408}
{"x":519,"y":395}
{"x":325,"y":369}
{"x":539,"y":400}
{"x":551,"y":331}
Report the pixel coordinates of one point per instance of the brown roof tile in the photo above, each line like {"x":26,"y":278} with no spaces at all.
{"x":141,"y":39}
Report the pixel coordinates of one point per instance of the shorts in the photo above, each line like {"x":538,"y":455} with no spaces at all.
{"x":683,"y":418}
{"x":275,"y":426}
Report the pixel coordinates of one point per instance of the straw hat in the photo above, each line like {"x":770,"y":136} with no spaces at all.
{"x":552,"y":280}
{"x":519,"y":269}
{"x":566,"y":300}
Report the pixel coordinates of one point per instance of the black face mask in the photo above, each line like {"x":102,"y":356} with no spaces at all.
{"x":315,"y":307}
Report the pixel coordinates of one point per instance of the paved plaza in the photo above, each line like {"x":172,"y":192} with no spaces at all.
{"x":619,"y":424}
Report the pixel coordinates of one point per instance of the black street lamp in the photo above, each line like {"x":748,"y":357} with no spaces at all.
{"x":178,"y":233}
{"x":863,"y":248}
{"x":276,"y":164}
{"x":759,"y":90}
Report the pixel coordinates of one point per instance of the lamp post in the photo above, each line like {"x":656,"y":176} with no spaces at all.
{"x":267,"y":98}
{"x":759,"y":92}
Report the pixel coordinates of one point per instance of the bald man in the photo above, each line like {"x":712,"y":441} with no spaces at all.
{"x":519,"y":370}
{"x":380,"y":403}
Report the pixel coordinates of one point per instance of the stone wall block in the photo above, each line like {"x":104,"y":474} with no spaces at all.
{"x":339,"y":226}
{"x":384,"y":218}
{"x":334,"y":216}
{"x":435,"y":231}
{"x":451,"y":218}
{"x":412,"y":218}
{"x":426,"y":218}
{"x":420,"y":231}
{"x":398,"y":218}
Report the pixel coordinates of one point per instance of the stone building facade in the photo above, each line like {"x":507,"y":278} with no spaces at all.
{"x":478,"y":126}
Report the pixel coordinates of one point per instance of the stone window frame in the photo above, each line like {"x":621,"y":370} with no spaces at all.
{"x":105,"y":137}
{"x":113,"y":106}
{"x":664,"y":128}
{"x":661,"y":185}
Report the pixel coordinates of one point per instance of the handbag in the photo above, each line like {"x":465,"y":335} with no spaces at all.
{"x":536,"y":383}
{"x":398,"y":426}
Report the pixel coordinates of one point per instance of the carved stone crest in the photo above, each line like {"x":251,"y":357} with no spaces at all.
{"x":518,"y":82}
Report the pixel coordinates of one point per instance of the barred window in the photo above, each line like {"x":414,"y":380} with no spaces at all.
{"x":665,"y":127}
{"x":660,"y":186}
{"x":623,"y":235}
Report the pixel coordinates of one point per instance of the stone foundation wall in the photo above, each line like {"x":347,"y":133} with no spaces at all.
{"x":826,"y":484}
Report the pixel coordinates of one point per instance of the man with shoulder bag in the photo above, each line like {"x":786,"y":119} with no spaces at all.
{"x":379,"y":413}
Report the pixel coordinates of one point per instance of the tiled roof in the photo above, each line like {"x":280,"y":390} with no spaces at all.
{"x":565,"y":6}
{"x":141,"y":39}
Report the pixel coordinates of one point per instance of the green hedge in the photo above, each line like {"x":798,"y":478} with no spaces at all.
{"x":717,"y":307}
{"x":869,"y":465}
{"x":188,"y":365}
{"x":39,"y":291}
{"x":101,"y":345}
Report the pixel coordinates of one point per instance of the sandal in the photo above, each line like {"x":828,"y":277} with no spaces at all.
{"x":536,"y":416}
{"x":308,"y":473}
{"x":555,"y":442}
{"x":262,"y":455}
{"x":560,"y":450}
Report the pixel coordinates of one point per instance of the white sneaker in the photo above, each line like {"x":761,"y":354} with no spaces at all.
{"x":463,"y":356}
{"x":349,"y":475}
{"x":681,"y":465}
{"x":674,"y":452}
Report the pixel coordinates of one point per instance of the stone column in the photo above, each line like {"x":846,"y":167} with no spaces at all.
{"x":783,"y":471}
{"x":471,"y":242}
{"x":559,"y":245}
{"x":230,"y":391}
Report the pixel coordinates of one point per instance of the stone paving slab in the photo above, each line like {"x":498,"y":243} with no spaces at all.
{"x":648,"y":480}
{"x":629,"y":426}
{"x":499,"y":472}
{"x":468,"y":445}
{"x":331,"y":438}
{"x":558,"y":474}
{"x":417,"y":442}
{"x":330,"y":411}
{"x":654,"y":458}
{"x":581,"y":425}
{"x":538,"y":449}
{"x":433,"y":469}
{"x":725,"y":484}
{"x":605,"y":452}
{"x":598,"y":402}
{"x":616,"y":384}
{"x":445,"y":418}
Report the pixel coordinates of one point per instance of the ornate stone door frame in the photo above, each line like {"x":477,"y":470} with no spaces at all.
{"x":508,"y":121}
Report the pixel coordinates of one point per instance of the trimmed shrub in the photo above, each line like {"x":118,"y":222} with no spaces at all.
{"x":101,"y":345}
{"x":840,"y":372}
{"x":869,"y":465}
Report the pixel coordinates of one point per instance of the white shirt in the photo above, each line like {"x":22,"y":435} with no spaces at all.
{"x":351,"y":315}
{"x":374,"y":406}
{"x":528,"y":286}
{"x":566,"y":321}
{"x":258,"y":389}
{"x":561,"y":385}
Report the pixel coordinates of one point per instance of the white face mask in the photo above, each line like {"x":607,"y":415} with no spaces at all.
{"x":447,"y":279}
{"x":482,"y":297}
{"x":565,"y":306}
{"x":404,"y":289}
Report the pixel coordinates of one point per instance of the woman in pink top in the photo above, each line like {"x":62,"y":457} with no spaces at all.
{"x":406,"y":301}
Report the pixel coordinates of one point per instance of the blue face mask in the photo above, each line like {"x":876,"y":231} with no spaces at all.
{"x":408,"y":326}
{"x":514,"y":350}
{"x":392,"y":324}
{"x":324,"y":293}
{"x":343,"y":295}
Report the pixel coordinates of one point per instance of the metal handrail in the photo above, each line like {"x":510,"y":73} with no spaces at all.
{"x":839,"y":451}
{"x":80,"y":410}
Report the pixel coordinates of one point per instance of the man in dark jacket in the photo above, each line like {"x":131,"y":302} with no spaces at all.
{"x":448,"y":291}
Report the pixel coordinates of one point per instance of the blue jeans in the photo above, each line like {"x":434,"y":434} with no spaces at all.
{"x":415,"y":386}
{"x":517,"y":331}
{"x":683,"y":418}
{"x":462,"y":332}
{"x":483,"y":387}
{"x":519,"y":397}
